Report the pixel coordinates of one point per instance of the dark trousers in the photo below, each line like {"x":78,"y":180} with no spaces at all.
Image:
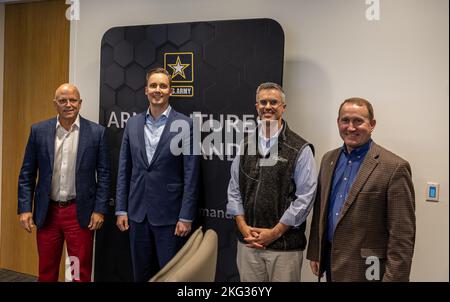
{"x":327,"y":259}
{"x":152,"y":247}
{"x":62,"y":224}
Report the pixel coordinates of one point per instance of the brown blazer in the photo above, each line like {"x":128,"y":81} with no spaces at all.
{"x":377,"y":219}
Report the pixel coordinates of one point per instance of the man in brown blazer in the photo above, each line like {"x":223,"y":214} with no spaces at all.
{"x":363,"y":226}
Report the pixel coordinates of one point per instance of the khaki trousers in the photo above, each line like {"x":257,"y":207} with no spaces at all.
{"x":257,"y":265}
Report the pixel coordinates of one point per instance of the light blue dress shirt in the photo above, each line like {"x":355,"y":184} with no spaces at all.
{"x":153,"y":130}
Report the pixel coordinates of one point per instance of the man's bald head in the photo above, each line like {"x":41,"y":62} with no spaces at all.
{"x":67,"y":88}
{"x":67,"y":103}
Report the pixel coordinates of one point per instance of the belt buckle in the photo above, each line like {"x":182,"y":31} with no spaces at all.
{"x":63,"y":204}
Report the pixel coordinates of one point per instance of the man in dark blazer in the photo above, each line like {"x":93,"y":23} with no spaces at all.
{"x":363,"y":226}
{"x":70,"y":157}
{"x":157,"y":185}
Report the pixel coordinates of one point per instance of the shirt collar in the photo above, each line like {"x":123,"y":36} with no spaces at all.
{"x":165,"y":114}
{"x":273,"y":137}
{"x":75,"y":124}
{"x":358,"y":151}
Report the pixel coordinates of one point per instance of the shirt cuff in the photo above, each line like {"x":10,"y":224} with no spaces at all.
{"x":184,"y":220}
{"x":288,"y":219}
{"x":121,"y":213}
{"x":235,"y":210}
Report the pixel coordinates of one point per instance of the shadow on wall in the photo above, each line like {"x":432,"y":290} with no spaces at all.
{"x":310,"y":112}
{"x":310,"y":107}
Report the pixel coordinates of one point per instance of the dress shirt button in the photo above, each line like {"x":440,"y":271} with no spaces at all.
{"x":349,"y":161}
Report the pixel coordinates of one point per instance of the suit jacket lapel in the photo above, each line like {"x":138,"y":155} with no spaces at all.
{"x":165,"y":136}
{"x":367,"y":166}
{"x":51,"y":141}
{"x":327,"y":180}
{"x":84,"y":137}
{"x":141,"y":137}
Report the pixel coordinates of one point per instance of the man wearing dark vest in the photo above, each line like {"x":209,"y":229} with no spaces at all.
{"x":270,"y":194}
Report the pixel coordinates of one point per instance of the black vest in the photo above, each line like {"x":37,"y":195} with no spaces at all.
{"x":267,"y":191}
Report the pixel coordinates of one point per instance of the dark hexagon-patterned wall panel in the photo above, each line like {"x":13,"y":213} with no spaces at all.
{"x":229,"y":60}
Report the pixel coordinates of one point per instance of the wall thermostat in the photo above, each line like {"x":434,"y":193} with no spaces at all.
{"x":432,"y":192}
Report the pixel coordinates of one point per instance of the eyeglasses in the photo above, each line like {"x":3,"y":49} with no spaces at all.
{"x":273,"y":103}
{"x":62,"y":102}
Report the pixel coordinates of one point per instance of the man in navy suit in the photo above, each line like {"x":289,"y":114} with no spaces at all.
{"x":157,"y":185}
{"x":70,"y":157}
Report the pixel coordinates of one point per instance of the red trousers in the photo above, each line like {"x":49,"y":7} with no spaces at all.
{"x":62,"y":224}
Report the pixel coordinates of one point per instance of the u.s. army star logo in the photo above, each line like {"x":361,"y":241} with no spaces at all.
{"x":178,"y":68}
{"x":181,"y":67}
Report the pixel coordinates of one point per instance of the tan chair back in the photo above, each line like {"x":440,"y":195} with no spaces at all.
{"x":183,"y":255}
{"x":201,"y":267}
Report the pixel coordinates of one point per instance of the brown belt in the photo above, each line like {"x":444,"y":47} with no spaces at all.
{"x":63,"y":204}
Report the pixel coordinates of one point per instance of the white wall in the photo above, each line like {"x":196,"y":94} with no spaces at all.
{"x":399,"y":63}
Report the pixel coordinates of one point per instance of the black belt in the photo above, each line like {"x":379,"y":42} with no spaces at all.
{"x":63,"y":204}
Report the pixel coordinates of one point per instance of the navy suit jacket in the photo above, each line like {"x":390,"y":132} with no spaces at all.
{"x":165,"y":190}
{"x":92,"y":171}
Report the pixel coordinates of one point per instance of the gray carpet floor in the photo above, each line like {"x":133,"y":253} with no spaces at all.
{"x":10,"y":276}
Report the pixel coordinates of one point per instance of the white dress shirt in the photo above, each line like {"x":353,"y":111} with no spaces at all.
{"x":64,"y":164}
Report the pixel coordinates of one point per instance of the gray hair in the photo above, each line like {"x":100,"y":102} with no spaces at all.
{"x":271,"y":85}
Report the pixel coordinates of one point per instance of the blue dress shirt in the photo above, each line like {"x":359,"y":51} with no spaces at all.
{"x":346,"y":170}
